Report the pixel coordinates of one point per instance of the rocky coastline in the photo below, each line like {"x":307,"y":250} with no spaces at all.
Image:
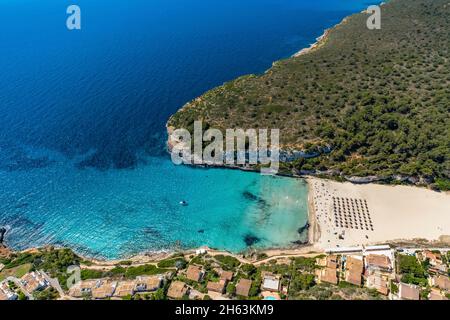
{"x":2,"y":234}
{"x":289,"y":156}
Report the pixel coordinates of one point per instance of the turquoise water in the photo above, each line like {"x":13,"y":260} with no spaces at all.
{"x":82,"y":122}
{"x":117,"y":213}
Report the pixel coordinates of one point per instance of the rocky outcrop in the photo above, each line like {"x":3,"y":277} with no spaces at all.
{"x":2,"y":234}
{"x":364,"y":180}
{"x":287,"y":156}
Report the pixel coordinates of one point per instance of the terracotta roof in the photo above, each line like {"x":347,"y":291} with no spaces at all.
{"x":3,"y":296}
{"x":328,"y":275}
{"x":354,"y":264}
{"x":243,"y":287}
{"x":147,"y":283}
{"x":177,"y":290}
{"x":379,"y":261}
{"x":353,"y":277}
{"x":409,"y":292}
{"x":383,"y":290}
{"x":104,"y":289}
{"x":34,"y":281}
{"x":354,"y":270}
{"x":217,"y":286}
{"x":377,"y":282}
{"x":124,"y":288}
{"x":226,"y":275}
{"x":438,"y":268}
{"x":441,"y":282}
{"x":332,"y":261}
{"x":6,"y":293}
{"x":82,"y":288}
{"x":194,"y":273}
{"x":436,"y":295}
{"x":432,"y":256}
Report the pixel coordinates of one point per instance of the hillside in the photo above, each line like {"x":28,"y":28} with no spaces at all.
{"x":379,"y":98}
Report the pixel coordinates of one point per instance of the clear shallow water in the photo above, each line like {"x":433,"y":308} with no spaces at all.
{"x":82,"y":115}
{"x":120,"y":212}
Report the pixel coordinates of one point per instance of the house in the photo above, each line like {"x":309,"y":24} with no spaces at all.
{"x":330,"y":265}
{"x":378,"y":282}
{"x":226,"y":275}
{"x":217,"y":286}
{"x":124,"y":289}
{"x":243,"y":287}
{"x":34,"y":281}
{"x":270,"y":283}
{"x":435,"y":258}
{"x":148,"y":283}
{"x":330,"y":261}
{"x":354,"y":268}
{"x":6,"y":293}
{"x":104,"y":289}
{"x":376,"y":262}
{"x":82,"y":289}
{"x":441,"y":282}
{"x":436,"y":295}
{"x":438,"y":269}
{"x":177,"y":290}
{"x":328,"y":275}
{"x":201,"y":252}
{"x":408,"y":292}
{"x":194,"y":273}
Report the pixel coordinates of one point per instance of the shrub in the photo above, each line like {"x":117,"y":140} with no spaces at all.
{"x":227,"y":262}
{"x":179,"y":263}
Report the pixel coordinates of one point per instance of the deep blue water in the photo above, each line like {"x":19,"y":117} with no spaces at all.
{"x":82,"y":121}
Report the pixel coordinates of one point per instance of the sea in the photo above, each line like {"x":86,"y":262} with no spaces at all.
{"x":83,"y":159}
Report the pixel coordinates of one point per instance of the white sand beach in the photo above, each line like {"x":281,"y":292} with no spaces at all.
{"x":345,"y":214}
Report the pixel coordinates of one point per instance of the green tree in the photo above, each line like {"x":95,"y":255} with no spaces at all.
{"x":231,"y":288}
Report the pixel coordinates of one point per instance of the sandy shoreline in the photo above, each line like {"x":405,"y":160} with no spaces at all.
{"x":351,"y":215}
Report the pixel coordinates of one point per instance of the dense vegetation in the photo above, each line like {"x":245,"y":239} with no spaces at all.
{"x":177,"y":262}
{"x":379,"y":98}
{"x":53,"y":261}
{"x":123,"y":272}
{"x":227,"y":262}
{"x":412,"y":271}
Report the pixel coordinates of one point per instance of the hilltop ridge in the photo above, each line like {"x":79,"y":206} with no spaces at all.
{"x":379,"y":98}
